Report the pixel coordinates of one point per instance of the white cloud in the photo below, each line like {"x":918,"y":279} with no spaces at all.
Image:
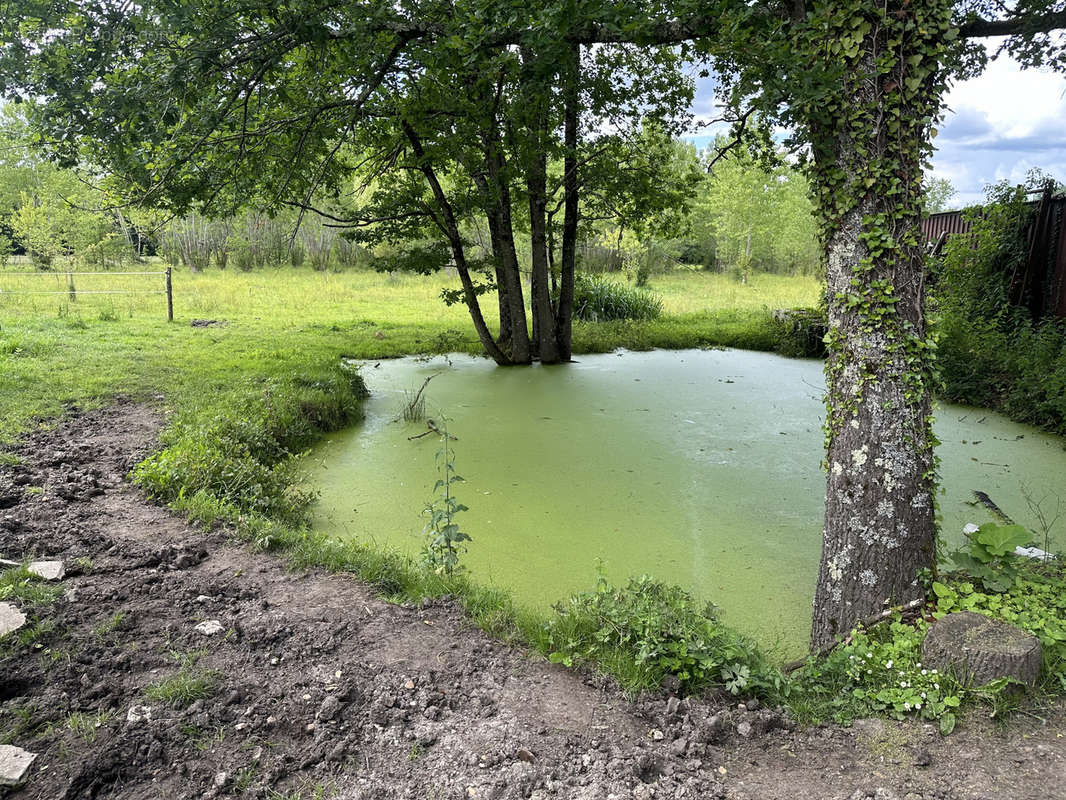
{"x":998,"y":125}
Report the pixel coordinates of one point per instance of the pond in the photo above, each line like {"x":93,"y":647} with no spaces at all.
{"x":700,"y":467}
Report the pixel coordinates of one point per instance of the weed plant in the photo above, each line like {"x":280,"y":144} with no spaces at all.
{"x":443,"y":538}
{"x":647,"y":631}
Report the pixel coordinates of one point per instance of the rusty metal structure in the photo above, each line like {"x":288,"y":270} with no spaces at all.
{"x":1040,"y":283}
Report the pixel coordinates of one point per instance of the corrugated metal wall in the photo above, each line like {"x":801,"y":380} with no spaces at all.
{"x":1041,"y":286}
{"x":946,"y":222}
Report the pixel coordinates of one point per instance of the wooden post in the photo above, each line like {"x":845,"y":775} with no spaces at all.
{"x":170,"y":298}
{"x":70,"y":286}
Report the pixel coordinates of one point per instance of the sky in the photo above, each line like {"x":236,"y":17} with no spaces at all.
{"x":999,"y":125}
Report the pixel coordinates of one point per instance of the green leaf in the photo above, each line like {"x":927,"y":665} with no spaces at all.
{"x":947,"y":724}
{"x":1002,"y":539}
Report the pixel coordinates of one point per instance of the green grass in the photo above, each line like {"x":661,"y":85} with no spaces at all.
{"x":55,"y":354}
{"x":87,"y":725}
{"x":189,"y":684}
{"x":19,"y":585}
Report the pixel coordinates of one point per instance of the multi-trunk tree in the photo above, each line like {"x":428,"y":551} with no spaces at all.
{"x":182,"y":98}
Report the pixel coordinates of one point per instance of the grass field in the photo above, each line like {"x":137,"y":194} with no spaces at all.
{"x":56,"y":353}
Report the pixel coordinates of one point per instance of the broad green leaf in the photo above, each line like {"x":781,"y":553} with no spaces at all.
{"x":1002,"y":539}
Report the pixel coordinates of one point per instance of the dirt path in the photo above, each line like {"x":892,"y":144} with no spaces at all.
{"x":322,"y":690}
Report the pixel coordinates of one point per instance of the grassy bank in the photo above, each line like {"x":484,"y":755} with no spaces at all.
{"x":55,"y":353}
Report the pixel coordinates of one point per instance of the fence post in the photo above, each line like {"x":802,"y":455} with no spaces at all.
{"x":170,"y":298}
{"x":70,"y":286}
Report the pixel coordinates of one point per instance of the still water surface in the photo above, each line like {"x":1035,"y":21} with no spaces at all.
{"x":700,"y":467}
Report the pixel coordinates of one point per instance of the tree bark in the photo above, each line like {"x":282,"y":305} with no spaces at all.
{"x":497,"y":243}
{"x":568,"y":257}
{"x":507,"y":258}
{"x":540,"y":295}
{"x":879,"y":519}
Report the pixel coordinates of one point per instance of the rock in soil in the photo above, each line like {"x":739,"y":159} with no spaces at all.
{"x":11,"y":619}
{"x":47,"y":570}
{"x":14,"y":764}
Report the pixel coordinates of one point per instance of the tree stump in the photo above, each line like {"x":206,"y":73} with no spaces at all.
{"x":979,"y":650}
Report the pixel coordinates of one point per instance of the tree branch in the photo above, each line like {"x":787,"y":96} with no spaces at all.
{"x":1014,"y":26}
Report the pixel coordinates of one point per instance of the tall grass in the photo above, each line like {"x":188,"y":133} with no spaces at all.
{"x":598,"y":298}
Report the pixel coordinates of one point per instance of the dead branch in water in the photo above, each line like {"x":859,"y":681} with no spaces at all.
{"x":995,"y":510}
{"x":415,"y":408}
{"x":432,"y":425}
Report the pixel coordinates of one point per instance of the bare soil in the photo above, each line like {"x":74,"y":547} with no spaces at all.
{"x":322,"y":689}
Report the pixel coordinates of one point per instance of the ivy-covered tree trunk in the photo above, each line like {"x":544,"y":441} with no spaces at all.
{"x":879,"y":522}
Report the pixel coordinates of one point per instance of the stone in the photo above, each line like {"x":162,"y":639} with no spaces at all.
{"x":48,"y":570}
{"x":11,"y":619}
{"x":138,"y":714}
{"x":979,"y":650}
{"x":209,"y":627}
{"x":672,"y":705}
{"x":14,"y":764}
{"x":329,"y":708}
{"x":744,"y":729}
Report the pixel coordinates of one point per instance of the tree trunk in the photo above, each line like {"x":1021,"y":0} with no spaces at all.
{"x":879,"y":520}
{"x":507,"y":258}
{"x":540,"y":295}
{"x":455,"y":240}
{"x":568,"y":258}
{"x":503,"y":341}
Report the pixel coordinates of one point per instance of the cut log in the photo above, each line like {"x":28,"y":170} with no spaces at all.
{"x":979,"y":650}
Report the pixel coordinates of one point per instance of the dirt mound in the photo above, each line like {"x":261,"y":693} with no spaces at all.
{"x":306,"y":684}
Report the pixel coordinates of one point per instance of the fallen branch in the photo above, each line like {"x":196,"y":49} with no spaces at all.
{"x":432,"y":425}
{"x":879,"y":617}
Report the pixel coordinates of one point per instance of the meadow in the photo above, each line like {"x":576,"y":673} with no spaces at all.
{"x":57,"y":353}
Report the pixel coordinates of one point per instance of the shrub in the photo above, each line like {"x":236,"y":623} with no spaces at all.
{"x":239,"y":452}
{"x":649,"y":630}
{"x":800,"y":332}
{"x":598,"y":299}
{"x":990,"y":353}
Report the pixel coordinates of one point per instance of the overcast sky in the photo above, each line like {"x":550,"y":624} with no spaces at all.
{"x":999,"y":125}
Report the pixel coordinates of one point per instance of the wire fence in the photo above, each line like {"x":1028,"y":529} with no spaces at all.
{"x":72,"y":279}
